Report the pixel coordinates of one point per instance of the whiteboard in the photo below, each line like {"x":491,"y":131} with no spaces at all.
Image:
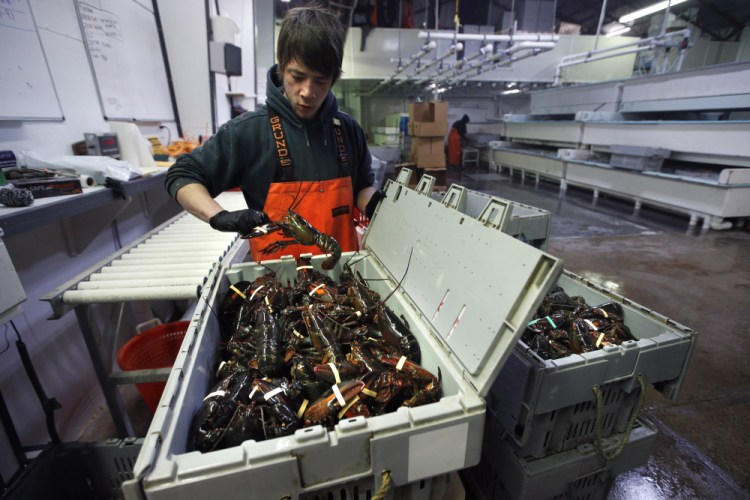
{"x":26,"y":88}
{"x":125,"y":53}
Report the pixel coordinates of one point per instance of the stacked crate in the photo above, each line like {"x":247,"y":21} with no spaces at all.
{"x":428,"y":126}
{"x":565,"y":428}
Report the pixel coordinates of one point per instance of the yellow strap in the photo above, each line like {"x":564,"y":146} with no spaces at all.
{"x":237,"y":291}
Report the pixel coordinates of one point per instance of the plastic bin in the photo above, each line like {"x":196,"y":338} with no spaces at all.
{"x":578,"y":474}
{"x":524,"y":222}
{"x":637,"y":158}
{"x":550,"y":406}
{"x":445,"y":303}
{"x":156,"y":347}
{"x":84,"y":471}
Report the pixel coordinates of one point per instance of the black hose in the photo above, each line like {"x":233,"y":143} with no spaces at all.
{"x":49,"y":405}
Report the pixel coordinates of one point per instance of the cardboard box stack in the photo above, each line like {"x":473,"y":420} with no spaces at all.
{"x":428,"y":126}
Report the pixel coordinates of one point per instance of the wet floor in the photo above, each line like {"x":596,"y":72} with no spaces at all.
{"x":698,"y":279}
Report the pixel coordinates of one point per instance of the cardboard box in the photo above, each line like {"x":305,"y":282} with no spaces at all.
{"x":428,"y":152}
{"x":428,"y":129}
{"x":428,"y":119}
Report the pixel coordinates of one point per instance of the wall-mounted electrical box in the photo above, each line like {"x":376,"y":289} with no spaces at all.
{"x":225,"y":58}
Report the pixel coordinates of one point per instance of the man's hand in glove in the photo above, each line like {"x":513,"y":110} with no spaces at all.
{"x":239,"y":221}
{"x":373,"y":203}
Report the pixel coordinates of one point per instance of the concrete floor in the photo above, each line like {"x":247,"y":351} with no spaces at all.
{"x":699,"y":279}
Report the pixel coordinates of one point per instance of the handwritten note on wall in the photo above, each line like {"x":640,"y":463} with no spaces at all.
{"x":27,"y":91}
{"x":126,"y":57}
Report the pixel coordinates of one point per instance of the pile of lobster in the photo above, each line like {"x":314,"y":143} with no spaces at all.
{"x":565,"y":325}
{"x":308,"y":353}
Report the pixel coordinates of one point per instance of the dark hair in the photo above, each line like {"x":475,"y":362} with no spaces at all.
{"x":314,"y":36}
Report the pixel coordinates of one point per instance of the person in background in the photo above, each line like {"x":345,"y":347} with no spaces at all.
{"x":298,"y":152}
{"x":456,"y":140}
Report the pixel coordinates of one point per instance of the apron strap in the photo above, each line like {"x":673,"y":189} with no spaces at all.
{"x":283,"y":158}
{"x":341,"y":152}
{"x":284,"y":161}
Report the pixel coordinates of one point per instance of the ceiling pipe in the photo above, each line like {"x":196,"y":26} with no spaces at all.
{"x":458,"y":64}
{"x":599,"y":26}
{"x":478,"y":37}
{"x":533,"y":49}
{"x":426,"y":49}
{"x":597,"y":55}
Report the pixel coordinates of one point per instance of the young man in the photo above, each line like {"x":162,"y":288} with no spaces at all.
{"x":299,"y":152}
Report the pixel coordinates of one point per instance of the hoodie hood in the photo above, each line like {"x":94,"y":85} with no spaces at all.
{"x":275,"y":99}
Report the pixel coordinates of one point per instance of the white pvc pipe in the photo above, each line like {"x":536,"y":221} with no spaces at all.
{"x":478,"y":37}
{"x":72,"y":297}
{"x":166,"y":259}
{"x":138,"y":283}
{"x":642,"y":42}
{"x":160,"y":267}
{"x":131,"y":275}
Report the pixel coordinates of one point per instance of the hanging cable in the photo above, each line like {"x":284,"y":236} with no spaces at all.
{"x":49,"y":405}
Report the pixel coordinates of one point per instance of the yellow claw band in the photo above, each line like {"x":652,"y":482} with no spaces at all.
{"x":302,"y":408}
{"x":238,"y":292}
{"x":339,"y":396}
{"x":591,"y":324}
{"x":368,"y":392}
{"x":335,"y":372}
{"x":346,"y":408}
{"x":599,"y":340}
{"x":256,"y":291}
{"x":401,"y":363}
{"x":214,"y":394}
{"x":272,"y":393}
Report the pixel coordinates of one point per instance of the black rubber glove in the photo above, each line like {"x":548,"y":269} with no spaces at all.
{"x":239,"y":221}
{"x":373,"y":203}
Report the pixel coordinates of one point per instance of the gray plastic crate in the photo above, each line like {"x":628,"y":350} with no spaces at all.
{"x":549,"y":405}
{"x":82,"y":471}
{"x":524,"y":222}
{"x":637,"y":157}
{"x":578,"y":474}
{"x":410,"y":244}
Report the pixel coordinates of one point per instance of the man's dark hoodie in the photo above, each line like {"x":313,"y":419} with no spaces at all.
{"x":243,"y":153}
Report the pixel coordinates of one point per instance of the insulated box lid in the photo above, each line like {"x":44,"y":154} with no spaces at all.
{"x":476,"y":286}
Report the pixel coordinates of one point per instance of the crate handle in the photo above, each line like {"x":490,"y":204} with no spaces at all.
{"x":454,"y":197}
{"x":495,"y":214}
{"x":426,"y":185}
{"x":404,"y":176}
{"x":600,"y":417}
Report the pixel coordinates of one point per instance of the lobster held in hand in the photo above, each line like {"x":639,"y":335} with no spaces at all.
{"x":293,"y":225}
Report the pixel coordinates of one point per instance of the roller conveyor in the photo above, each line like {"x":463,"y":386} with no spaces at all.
{"x":173,"y":262}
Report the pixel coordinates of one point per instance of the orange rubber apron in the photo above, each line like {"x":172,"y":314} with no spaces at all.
{"x":454,"y":148}
{"x":327,"y":205}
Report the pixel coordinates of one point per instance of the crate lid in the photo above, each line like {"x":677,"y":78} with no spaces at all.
{"x":477,"y":286}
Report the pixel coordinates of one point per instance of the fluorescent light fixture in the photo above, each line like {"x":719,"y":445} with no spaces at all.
{"x":648,"y":10}
{"x":511,"y":91}
{"x":617,"y":32}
